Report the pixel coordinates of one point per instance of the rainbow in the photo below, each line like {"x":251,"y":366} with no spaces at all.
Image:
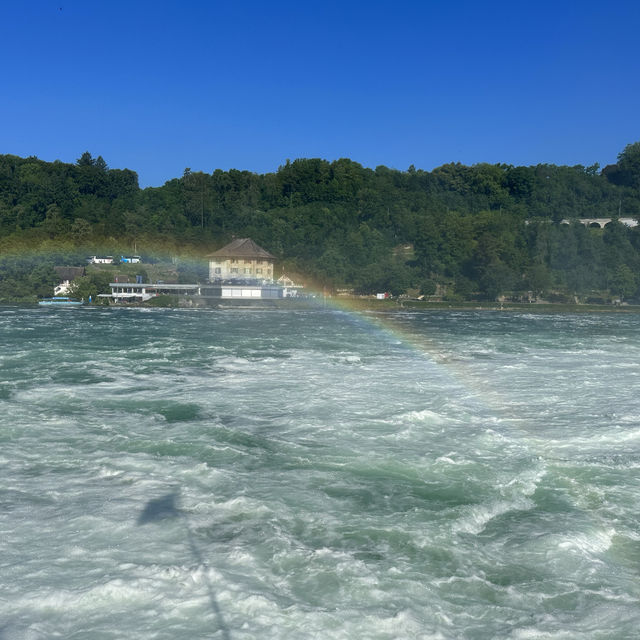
{"x":385,"y":320}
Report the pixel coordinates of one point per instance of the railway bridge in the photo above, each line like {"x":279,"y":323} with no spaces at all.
{"x":601,"y":222}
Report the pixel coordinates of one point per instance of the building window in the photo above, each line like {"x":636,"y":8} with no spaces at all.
{"x":234,"y":269}
{"x":247,"y":271}
{"x":217,"y":270}
{"x":258,"y":271}
{"x":234,"y":261}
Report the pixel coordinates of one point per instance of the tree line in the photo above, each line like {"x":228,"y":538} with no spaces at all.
{"x":458,"y":231}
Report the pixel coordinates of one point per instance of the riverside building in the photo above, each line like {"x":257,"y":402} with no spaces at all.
{"x":241,"y":259}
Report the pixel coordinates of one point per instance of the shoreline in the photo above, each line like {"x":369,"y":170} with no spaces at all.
{"x":383,"y":306}
{"x":360,"y":304}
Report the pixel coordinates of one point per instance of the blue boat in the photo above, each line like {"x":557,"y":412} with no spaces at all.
{"x":60,"y":301}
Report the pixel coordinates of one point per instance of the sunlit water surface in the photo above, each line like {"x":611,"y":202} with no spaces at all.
{"x":180,"y":474}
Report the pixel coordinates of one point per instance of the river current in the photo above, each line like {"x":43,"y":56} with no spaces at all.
{"x":239,"y":474}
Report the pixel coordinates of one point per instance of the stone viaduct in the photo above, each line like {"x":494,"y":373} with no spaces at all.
{"x":601,"y":222}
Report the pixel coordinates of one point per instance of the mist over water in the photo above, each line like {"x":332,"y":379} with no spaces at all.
{"x":237,"y":474}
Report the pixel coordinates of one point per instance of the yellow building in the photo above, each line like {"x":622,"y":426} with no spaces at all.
{"x":241,"y":259}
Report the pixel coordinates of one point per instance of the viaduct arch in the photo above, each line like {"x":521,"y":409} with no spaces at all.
{"x":601,"y":222}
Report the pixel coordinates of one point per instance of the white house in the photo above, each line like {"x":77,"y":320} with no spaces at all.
{"x":100,"y":260}
{"x":67,"y":275}
{"x":290,"y":288}
{"x":241,"y":259}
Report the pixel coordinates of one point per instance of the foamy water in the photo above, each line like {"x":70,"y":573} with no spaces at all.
{"x":270,"y":474}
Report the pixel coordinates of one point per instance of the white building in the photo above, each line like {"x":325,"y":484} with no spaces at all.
{"x":123,"y":292}
{"x":290,"y":288}
{"x":241,"y":259}
{"x":143,"y":291}
{"x":100,"y":260}
{"x":67,"y":275}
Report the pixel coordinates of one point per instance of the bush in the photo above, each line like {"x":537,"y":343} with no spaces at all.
{"x":428,"y":288}
{"x":163,"y":301}
{"x":562,"y":298}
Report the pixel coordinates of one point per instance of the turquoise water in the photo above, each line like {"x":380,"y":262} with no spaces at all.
{"x":270,"y":474}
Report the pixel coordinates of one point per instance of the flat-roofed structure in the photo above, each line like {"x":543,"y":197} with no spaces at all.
{"x":100,"y":260}
{"x":143,"y":291}
{"x":235,"y":290}
{"x":247,"y":291}
{"x":241,"y":259}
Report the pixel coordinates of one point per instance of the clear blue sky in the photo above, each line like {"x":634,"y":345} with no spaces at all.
{"x":158,"y":86}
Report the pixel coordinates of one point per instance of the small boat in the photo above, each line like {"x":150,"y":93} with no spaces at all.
{"x":60,"y":301}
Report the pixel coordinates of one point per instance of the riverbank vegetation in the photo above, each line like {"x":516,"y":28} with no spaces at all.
{"x":456,"y":233}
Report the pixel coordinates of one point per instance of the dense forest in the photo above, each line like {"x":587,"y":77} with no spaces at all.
{"x":458,"y":232}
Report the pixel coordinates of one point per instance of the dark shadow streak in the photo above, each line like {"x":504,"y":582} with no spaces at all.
{"x":160,"y":509}
{"x":165,"y":508}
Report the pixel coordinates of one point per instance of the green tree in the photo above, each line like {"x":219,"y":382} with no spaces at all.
{"x":7,"y":219}
{"x":428,"y":287}
{"x":538,"y":279}
{"x":520,"y":182}
{"x":42,"y":280}
{"x":196,"y":197}
{"x":90,"y":286}
{"x":629,"y":165}
{"x":54,"y":223}
{"x":80,"y":231}
{"x":464,"y":287}
{"x":624,"y":282}
{"x":331,"y":267}
{"x":496,"y":278}
{"x":85,"y":160}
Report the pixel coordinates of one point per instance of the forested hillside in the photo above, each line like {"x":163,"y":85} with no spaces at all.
{"x":464,"y":231}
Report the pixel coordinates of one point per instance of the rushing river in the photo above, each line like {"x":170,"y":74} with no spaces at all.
{"x":183,"y":474}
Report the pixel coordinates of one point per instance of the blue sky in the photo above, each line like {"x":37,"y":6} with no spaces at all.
{"x":160,"y":86}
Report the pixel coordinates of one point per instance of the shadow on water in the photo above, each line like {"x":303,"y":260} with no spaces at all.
{"x":165,"y":508}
